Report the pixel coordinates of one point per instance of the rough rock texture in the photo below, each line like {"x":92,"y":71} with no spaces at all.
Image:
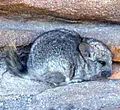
{"x":101,"y":10}
{"x":21,"y":38}
{"x":116,"y":51}
{"x":10,"y":84}
{"x":84,"y":96}
{"x":116,"y":71}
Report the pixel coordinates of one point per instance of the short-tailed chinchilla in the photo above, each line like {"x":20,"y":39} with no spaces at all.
{"x":62,"y":56}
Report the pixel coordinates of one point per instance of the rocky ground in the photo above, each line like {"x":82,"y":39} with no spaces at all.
{"x":75,"y":10}
{"x":18,"y":94}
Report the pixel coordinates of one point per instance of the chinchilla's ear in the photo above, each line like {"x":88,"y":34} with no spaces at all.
{"x":86,"y":50}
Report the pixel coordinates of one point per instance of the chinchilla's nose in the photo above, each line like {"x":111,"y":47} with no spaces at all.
{"x":106,"y":74}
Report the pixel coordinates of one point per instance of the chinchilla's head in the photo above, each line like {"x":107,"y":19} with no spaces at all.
{"x":98,"y":59}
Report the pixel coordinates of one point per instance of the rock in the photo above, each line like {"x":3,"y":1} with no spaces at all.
{"x":83,"y":96}
{"x":116,"y":71}
{"x":10,"y":84}
{"x":116,"y":51}
{"x":20,"y":38}
{"x":76,"y":10}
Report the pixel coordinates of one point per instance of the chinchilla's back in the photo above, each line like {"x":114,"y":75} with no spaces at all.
{"x":54,"y":52}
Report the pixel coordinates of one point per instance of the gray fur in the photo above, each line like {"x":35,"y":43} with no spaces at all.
{"x":63,"y":56}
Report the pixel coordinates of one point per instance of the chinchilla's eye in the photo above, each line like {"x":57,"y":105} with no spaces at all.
{"x":103,"y":63}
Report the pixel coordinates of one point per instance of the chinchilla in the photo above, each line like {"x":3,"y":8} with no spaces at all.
{"x":62,"y":56}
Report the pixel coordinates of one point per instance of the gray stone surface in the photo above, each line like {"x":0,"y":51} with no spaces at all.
{"x":23,"y":33}
{"x":20,"y":94}
{"x":84,"y":96}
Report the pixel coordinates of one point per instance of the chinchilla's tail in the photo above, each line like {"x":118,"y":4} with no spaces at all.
{"x":13,"y":62}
